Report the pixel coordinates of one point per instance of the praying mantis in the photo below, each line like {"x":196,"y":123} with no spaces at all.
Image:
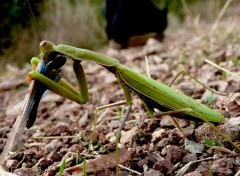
{"x":152,"y":93}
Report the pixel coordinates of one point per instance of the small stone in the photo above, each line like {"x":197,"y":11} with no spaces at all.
{"x":111,"y":137}
{"x":45,"y":163}
{"x":229,"y":129}
{"x":152,"y":172}
{"x":11,"y":163}
{"x":128,"y":135}
{"x":151,"y":147}
{"x":166,"y":121}
{"x":55,"y":156}
{"x":163,"y":142}
{"x":158,"y":134}
{"x":222,"y":166}
{"x":151,"y":126}
{"x":75,"y":148}
{"x":53,"y":145}
{"x":194,"y":173}
{"x":61,"y":127}
{"x":174,"y":137}
{"x":27,"y":171}
{"x":188,"y":158}
{"x":188,"y":131}
{"x":174,"y":153}
{"x":164,"y":166}
{"x":217,"y":156}
{"x":203,"y":166}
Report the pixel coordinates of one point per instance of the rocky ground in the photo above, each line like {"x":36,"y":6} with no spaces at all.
{"x":149,"y":146}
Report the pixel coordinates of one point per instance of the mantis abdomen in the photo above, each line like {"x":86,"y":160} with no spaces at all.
{"x":166,"y":96}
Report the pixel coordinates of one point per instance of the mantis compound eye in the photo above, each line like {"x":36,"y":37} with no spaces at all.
{"x":43,"y":43}
{"x":46,"y":46}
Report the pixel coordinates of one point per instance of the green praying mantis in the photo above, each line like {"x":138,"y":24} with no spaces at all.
{"x":152,"y":93}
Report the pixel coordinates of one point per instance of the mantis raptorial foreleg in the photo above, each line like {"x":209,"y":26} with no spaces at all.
{"x":62,"y":87}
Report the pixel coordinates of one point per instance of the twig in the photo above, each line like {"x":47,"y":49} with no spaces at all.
{"x":56,"y":137}
{"x":223,"y":149}
{"x":221,"y":68}
{"x":238,"y":173}
{"x":147,"y":67}
{"x":184,"y":169}
{"x":133,"y":171}
{"x":187,"y":11}
{"x":223,"y":10}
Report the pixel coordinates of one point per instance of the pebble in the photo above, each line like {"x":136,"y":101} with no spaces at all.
{"x":189,"y":157}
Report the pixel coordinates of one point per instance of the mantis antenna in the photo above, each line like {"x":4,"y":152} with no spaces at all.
{"x":35,"y":21}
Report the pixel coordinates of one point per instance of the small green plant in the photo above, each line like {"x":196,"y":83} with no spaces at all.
{"x":78,"y":156}
{"x":184,"y":58}
{"x":208,"y":142}
{"x":119,"y":111}
{"x":217,"y":142}
{"x":214,"y":142}
{"x":224,"y":75}
{"x":90,"y":148}
{"x":211,"y":98}
{"x":62,"y":167}
{"x":210,"y":170}
{"x":235,"y":61}
{"x":133,"y":124}
{"x":84,"y":166}
{"x":193,"y":123}
{"x":24,"y":165}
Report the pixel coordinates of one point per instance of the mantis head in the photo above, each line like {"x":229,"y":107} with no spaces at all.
{"x":46,"y":47}
{"x":52,"y":59}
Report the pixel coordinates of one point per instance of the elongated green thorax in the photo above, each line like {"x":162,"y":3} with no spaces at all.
{"x":87,"y":55}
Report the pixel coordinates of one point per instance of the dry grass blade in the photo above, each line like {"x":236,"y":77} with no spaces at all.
{"x":215,"y":25}
{"x":147,"y":67}
{"x":221,"y":68}
{"x":238,"y":173}
{"x":184,"y":169}
{"x":101,"y":163}
{"x":187,"y":10}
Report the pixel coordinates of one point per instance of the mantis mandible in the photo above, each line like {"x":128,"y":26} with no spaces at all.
{"x":152,"y":93}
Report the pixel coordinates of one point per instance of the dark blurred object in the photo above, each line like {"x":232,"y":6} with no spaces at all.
{"x":15,"y":14}
{"x":128,"y":18}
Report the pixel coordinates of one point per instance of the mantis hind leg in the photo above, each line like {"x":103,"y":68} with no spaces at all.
{"x":202,"y":84}
{"x":204,"y":119}
{"x":174,"y":120}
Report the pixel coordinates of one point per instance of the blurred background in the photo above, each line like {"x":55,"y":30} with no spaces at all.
{"x":81,"y":23}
